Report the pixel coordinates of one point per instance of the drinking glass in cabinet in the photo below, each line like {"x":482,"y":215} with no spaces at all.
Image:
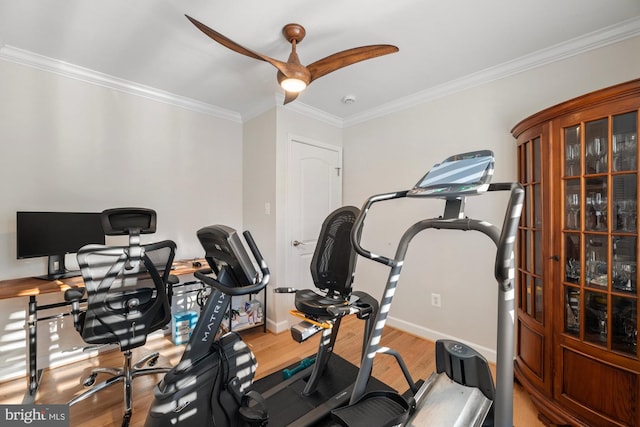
{"x":596,"y":146}
{"x":572,"y":257}
{"x":573,"y":211}
{"x":623,"y":272}
{"x":572,"y":310}
{"x":627,"y":215}
{"x":624,"y":325}
{"x":596,"y":211}
{"x":596,"y":261}
{"x":572,"y":150}
{"x":624,"y":202}
{"x":597,"y":155}
{"x":600,"y":206}
{"x":572,"y":159}
{"x":624,"y":276}
{"x":624,"y":151}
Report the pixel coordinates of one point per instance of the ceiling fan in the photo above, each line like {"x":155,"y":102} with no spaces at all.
{"x":292,"y":75}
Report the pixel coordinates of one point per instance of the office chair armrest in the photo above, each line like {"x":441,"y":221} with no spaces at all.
{"x":74,"y":294}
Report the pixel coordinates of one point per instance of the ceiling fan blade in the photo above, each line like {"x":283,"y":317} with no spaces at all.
{"x":347,"y":57}
{"x":289,"y":96}
{"x":227,"y":42}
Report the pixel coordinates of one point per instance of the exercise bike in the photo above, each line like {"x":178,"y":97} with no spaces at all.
{"x":461,"y":392}
{"x":213,"y":385}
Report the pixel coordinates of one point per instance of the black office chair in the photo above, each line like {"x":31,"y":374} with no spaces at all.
{"x":332,"y":269}
{"x":126,"y":297}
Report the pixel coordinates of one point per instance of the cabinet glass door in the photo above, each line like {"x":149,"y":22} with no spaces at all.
{"x":600,"y":240}
{"x":531,"y":261}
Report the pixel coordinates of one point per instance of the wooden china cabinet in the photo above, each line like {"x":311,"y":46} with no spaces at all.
{"x":577,"y":323}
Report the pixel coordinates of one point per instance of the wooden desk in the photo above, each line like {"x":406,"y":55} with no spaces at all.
{"x":32,"y":287}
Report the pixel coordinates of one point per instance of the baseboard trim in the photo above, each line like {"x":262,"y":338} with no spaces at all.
{"x":432,"y":335}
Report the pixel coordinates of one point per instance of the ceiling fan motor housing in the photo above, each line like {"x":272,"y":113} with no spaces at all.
{"x":294,"y":32}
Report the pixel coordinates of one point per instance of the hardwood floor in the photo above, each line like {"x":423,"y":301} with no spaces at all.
{"x":274,"y":352}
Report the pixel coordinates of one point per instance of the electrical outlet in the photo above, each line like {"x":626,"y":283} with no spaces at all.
{"x":436,"y":301}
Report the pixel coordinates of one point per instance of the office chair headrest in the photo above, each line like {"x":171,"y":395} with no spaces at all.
{"x":132,"y":222}
{"x":123,"y":221}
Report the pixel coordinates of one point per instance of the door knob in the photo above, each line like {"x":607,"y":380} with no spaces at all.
{"x":297,"y":243}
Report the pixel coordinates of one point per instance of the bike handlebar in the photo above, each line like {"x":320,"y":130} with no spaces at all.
{"x":356,"y":232}
{"x":505,"y":243}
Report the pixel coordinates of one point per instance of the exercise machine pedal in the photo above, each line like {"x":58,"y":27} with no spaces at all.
{"x":379,"y":408}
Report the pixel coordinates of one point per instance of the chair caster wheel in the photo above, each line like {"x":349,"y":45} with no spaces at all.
{"x":89,"y":381}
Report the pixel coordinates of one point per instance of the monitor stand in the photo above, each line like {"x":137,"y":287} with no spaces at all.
{"x":57,"y":269}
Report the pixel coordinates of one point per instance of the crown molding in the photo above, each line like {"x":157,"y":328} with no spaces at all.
{"x":299,"y":107}
{"x":309,"y":111}
{"x":597,"y":39}
{"x":30,"y":59}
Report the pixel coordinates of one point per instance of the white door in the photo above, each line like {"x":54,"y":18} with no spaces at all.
{"x":314,"y":191}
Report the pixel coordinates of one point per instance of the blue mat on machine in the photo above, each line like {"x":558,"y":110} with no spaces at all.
{"x":289,"y":404}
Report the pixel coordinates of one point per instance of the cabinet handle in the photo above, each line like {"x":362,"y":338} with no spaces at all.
{"x":555,"y":257}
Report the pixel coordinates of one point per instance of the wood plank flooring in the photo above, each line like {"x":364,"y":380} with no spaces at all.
{"x":274,"y":352}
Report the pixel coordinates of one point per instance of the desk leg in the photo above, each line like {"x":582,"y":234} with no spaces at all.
{"x":32,"y":352}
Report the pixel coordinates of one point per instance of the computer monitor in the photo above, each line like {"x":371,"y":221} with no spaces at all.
{"x":54,"y":234}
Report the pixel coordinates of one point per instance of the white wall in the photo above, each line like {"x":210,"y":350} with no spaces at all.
{"x":72,"y":146}
{"x":259,"y":188}
{"x":266,"y":140}
{"x":393,"y":152}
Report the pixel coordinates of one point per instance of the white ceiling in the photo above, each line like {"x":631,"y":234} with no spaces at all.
{"x":149,"y":45}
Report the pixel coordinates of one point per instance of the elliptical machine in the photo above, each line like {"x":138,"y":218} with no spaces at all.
{"x":461,"y":392}
{"x":208,"y":385}
{"x":213,"y":384}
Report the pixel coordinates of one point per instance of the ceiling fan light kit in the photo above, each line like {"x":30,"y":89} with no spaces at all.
{"x":292,"y":76}
{"x":293,"y":85}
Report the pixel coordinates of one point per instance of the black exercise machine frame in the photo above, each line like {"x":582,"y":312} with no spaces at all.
{"x":453,"y":219}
